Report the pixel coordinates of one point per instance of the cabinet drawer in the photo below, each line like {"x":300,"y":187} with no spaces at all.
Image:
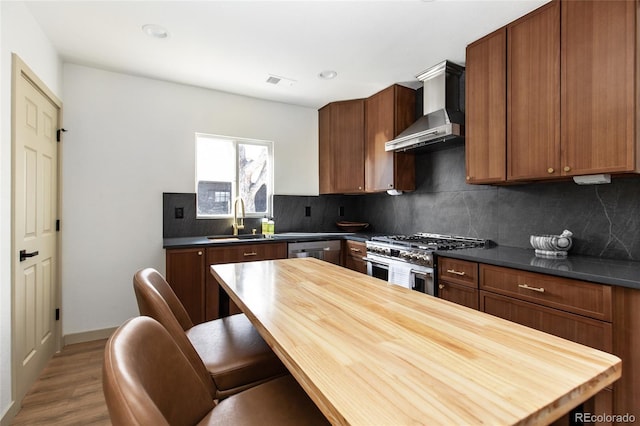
{"x":592,"y":300}
{"x":594,"y":333}
{"x":355,"y":248}
{"x":458,"y":271}
{"x":246,"y":252}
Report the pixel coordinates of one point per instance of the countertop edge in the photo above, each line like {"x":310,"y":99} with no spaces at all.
{"x":203,"y":241}
{"x":585,"y":268}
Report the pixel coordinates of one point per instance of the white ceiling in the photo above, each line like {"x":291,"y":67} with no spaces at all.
{"x":234,"y":46}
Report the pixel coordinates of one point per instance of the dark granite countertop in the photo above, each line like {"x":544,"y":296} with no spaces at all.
{"x":625,"y":273}
{"x":289,"y":237}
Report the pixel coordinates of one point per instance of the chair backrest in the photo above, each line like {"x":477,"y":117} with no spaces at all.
{"x":155,"y":297}
{"x":147,"y":380}
{"x":153,"y":278}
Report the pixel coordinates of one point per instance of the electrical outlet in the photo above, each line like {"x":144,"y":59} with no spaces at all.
{"x":307,"y":211}
{"x":179,"y":213}
{"x":341,"y":211}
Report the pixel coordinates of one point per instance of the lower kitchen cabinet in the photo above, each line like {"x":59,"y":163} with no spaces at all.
{"x":574,"y":310}
{"x":218,"y":304}
{"x":587,"y":331}
{"x":353,"y":256}
{"x":458,"y":281}
{"x":189,"y":276}
{"x":186,"y":276}
{"x":597,"y":315}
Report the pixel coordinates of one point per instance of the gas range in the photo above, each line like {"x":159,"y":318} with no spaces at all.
{"x":417,"y":248}
{"x":407,"y":260}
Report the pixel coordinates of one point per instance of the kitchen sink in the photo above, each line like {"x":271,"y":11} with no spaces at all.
{"x":236,"y":237}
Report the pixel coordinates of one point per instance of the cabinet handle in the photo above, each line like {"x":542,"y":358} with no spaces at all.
{"x":441,"y":286}
{"x":567,"y":168}
{"x":253,"y":253}
{"x":468,"y":177}
{"x":199,"y":253}
{"x":453,"y":271}
{"x":550,"y":170}
{"x":526,"y":287}
{"x":357,"y":250}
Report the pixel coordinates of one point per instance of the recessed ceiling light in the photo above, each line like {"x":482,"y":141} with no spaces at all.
{"x":156,"y":31}
{"x":328,"y":74}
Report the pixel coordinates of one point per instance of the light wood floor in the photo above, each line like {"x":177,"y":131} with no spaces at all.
{"x":69,"y":390}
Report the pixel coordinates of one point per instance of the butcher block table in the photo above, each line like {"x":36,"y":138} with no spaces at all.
{"x":372,"y":353}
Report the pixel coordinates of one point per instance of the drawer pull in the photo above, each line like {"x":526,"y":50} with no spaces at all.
{"x":453,"y":271}
{"x":253,"y":253}
{"x":526,"y":287}
{"x":441,"y":286}
{"x":356,"y":250}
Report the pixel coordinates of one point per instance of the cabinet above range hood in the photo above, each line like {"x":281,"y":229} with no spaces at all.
{"x":443,"y":108}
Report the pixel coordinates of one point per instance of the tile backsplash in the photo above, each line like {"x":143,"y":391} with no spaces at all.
{"x":605,"y":219}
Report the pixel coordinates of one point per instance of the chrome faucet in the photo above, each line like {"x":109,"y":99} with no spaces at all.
{"x":238,"y":222}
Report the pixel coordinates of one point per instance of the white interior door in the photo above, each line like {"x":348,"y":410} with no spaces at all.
{"x":35,"y":209}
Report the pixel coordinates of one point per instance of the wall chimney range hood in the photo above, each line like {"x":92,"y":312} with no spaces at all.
{"x":443,"y":109}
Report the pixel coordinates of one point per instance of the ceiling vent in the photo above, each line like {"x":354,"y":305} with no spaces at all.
{"x":278,"y":80}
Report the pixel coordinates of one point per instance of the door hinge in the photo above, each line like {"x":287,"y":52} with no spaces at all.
{"x":58,"y":225}
{"x":58,"y":133}
{"x":57,"y":314}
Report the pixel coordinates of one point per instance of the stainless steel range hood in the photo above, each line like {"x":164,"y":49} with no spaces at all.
{"x":443,"y":109}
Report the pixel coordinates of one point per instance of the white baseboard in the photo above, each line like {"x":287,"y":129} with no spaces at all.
{"x":11,"y":412}
{"x":87,"y":336}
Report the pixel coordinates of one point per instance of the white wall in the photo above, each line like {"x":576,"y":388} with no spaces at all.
{"x":19,"y":33}
{"x":129,"y":140}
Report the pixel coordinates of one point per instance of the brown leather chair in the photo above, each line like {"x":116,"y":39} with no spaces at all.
{"x":147,"y":380}
{"x":231,"y":349}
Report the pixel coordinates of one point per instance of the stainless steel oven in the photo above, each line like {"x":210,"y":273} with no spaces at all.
{"x":415,"y":277}
{"x":408,"y":260}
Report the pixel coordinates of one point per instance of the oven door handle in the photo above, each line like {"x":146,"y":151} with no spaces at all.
{"x":422,"y":273}
{"x":376,"y":262}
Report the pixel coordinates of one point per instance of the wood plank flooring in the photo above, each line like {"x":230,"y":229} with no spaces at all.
{"x":69,"y":390}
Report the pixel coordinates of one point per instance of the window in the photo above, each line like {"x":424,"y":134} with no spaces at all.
{"x":228,"y":168}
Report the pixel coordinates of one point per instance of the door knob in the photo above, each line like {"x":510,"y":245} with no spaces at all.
{"x":24,"y":255}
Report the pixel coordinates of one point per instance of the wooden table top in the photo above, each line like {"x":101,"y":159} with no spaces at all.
{"x":372,"y":353}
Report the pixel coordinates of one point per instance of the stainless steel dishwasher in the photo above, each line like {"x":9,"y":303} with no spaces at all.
{"x":324,"y":250}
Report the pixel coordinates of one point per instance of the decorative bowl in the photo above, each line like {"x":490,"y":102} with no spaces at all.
{"x":352,"y":226}
{"x":552,"y":245}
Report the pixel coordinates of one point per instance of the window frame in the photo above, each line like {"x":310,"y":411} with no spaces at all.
{"x":235,"y":185}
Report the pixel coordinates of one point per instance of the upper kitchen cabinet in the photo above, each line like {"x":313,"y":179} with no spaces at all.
{"x":341,"y":149}
{"x":599,"y":87}
{"x":569,"y":90}
{"x":485,"y":115}
{"x":533,"y":95}
{"x":388,"y":113}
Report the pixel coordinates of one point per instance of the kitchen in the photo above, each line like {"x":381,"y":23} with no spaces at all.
{"x":109,"y":202}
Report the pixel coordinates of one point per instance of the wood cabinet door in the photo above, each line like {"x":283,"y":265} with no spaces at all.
{"x":354,"y":252}
{"x":388,"y":113}
{"x":587,"y":331}
{"x":185,"y":275}
{"x":460,"y":294}
{"x":598,"y":86}
{"x":341,"y":147}
{"x":324,"y":149}
{"x":486,"y":103}
{"x":533,"y":95}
